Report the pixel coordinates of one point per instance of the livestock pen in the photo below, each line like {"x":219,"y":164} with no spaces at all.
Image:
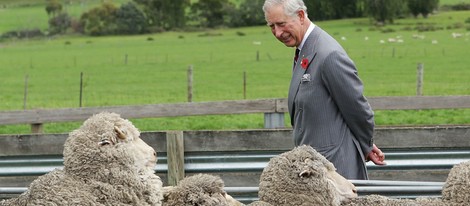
{"x":419,"y":158}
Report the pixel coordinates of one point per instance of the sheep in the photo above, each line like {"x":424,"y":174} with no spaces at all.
{"x":259,"y":203}
{"x":457,"y":186}
{"x":378,"y":200}
{"x":105,"y":163}
{"x":303,"y":176}
{"x":455,"y":192}
{"x":199,"y":189}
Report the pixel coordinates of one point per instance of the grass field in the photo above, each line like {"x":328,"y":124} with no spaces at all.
{"x":25,"y":14}
{"x":157,"y":64}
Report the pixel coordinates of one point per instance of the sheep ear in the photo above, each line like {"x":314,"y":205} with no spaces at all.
{"x":305,"y":173}
{"x":119,"y":132}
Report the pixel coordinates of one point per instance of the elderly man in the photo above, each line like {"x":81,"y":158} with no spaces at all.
{"x":326,"y":103}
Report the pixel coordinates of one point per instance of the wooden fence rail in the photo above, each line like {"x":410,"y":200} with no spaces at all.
{"x":274,"y":109}
{"x":239,"y":157}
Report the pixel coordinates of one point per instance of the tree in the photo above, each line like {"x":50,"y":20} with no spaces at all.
{"x":384,"y":11}
{"x":100,"y":20}
{"x":320,"y":10}
{"x":130,"y":20}
{"x":60,"y":23}
{"x":333,"y":9}
{"x":345,"y":9}
{"x":251,"y":14}
{"x":166,"y":14}
{"x":423,"y":7}
{"x":53,"y":7}
{"x":211,"y":13}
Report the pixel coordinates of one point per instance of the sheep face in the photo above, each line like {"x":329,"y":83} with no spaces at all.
{"x":343,"y":187}
{"x":106,"y":141}
{"x":303,"y":176}
{"x":144,"y":156}
{"x":105,"y":163}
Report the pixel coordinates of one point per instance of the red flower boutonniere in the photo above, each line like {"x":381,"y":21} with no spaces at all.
{"x":304,"y":63}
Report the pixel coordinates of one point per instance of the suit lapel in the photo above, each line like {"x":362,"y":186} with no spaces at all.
{"x":308,"y":52}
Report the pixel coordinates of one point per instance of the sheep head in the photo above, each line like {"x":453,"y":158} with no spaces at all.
{"x":199,"y":189}
{"x":456,"y":188}
{"x":107,"y":142}
{"x":303,"y":176}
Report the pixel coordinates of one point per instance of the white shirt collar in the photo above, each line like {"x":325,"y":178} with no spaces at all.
{"x":309,"y":30}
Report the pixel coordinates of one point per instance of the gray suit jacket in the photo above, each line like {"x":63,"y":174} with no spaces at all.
{"x":327,"y":107}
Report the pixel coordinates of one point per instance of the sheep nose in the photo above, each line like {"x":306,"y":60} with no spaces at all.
{"x":354,"y":191}
{"x":154,"y":154}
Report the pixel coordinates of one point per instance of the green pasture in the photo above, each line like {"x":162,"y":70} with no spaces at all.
{"x":452,"y":2}
{"x":30,"y":14}
{"x":23,"y":14}
{"x":152,"y":69}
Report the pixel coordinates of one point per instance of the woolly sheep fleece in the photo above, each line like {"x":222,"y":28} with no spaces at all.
{"x":259,"y":203}
{"x":455,"y":192}
{"x":281,"y":182}
{"x":457,"y":186}
{"x":198,"y":190}
{"x":100,"y":168}
{"x":378,"y":200}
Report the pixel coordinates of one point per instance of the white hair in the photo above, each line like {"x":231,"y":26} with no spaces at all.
{"x":291,"y":7}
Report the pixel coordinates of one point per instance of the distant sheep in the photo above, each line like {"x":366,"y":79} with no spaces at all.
{"x":105,"y":163}
{"x":196,"y":190}
{"x":303,"y":176}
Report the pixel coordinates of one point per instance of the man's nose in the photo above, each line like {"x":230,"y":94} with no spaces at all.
{"x":277,"y":32}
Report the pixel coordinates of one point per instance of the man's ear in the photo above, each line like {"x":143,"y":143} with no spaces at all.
{"x":301,"y":15}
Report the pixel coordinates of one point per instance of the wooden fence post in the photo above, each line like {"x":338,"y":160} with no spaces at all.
{"x":274,"y":120}
{"x":81,"y":90}
{"x":190,"y":83}
{"x":244,"y":84}
{"x":37,"y":128}
{"x":175,"y":155}
{"x":25,"y":96}
{"x":419,"y":80}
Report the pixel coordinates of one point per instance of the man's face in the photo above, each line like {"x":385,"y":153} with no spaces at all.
{"x":286,"y":29}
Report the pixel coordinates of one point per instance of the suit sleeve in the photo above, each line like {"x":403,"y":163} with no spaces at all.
{"x":340,"y":76}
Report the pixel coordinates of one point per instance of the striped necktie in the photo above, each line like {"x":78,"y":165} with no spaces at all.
{"x":297,"y":51}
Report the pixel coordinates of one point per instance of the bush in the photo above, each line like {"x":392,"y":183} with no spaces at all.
{"x":23,"y":34}
{"x":388,"y":30}
{"x":130,"y":20}
{"x":461,"y":7}
{"x":467,"y":20}
{"x":60,"y":23}
{"x":239,"y":33}
{"x":100,"y":20}
{"x":209,"y":34}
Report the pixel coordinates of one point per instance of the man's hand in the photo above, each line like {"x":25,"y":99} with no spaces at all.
{"x":376,"y":156}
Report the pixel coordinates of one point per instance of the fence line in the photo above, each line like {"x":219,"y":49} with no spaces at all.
{"x":419,"y":159}
{"x":274,"y":109}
